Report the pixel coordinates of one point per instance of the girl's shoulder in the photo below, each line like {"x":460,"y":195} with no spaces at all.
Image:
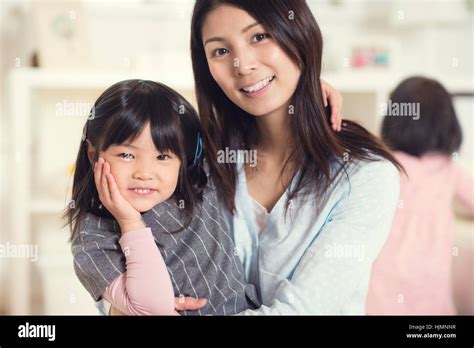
{"x":97,"y":223}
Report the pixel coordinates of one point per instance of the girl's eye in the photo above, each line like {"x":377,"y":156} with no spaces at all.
{"x":260,"y":36}
{"x":219,"y":52}
{"x":127,"y":156}
{"x":163,"y":157}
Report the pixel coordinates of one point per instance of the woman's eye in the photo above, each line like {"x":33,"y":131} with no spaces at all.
{"x":219,"y":52}
{"x":163,"y":157}
{"x":127,"y":156}
{"x":260,"y":36}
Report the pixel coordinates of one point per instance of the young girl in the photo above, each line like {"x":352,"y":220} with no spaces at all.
{"x":309,"y":219}
{"x":145,"y":223}
{"x":412,"y":274}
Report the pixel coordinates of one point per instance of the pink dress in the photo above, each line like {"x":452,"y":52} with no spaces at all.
{"x":412,"y":274}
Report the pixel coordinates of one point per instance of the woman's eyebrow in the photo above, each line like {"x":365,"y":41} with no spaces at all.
{"x":220,"y":39}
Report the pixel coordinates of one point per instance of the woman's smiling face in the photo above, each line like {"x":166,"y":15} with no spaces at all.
{"x":247,"y":63}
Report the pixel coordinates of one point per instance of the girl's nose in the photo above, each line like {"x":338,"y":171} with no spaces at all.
{"x":142,"y":172}
{"x":142,"y":175}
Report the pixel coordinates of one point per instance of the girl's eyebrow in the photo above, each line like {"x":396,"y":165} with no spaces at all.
{"x":129,"y":145}
{"x":220,"y":39}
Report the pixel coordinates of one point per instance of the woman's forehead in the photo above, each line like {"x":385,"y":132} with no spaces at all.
{"x":227,"y":19}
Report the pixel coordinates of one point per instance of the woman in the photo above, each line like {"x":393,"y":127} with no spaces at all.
{"x":310,"y":215}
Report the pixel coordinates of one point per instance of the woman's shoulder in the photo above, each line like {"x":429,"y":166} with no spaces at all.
{"x":373,"y":174}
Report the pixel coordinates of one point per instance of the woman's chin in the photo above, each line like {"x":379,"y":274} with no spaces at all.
{"x":260,"y":111}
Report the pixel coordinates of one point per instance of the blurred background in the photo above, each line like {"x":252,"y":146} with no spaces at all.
{"x":58,"y":56}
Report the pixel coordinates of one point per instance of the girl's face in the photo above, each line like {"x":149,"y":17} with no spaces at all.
{"x":144,"y":176}
{"x":247,"y":64}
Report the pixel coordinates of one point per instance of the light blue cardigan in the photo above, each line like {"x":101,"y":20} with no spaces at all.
{"x":319,"y":262}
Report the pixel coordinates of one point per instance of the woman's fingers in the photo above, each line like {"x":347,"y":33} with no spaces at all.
{"x":189,"y":303}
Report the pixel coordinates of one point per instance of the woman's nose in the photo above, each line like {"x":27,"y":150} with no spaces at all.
{"x":245,"y":62}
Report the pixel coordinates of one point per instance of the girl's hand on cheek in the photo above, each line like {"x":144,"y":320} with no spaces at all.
{"x":125,"y":214}
{"x":334,"y":98}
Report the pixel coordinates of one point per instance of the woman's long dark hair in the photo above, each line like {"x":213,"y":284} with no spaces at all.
{"x":316,"y":146}
{"x":120,"y":114}
{"x":436,"y":129}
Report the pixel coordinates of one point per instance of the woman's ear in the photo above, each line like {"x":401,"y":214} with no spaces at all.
{"x":90,"y":152}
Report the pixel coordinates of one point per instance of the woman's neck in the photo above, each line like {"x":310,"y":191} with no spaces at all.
{"x":275,"y":135}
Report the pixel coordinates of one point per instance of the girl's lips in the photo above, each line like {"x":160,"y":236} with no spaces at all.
{"x":142,"y":192}
{"x":260,"y":91}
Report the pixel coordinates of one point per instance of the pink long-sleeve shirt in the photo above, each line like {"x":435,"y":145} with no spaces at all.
{"x":145,"y":288}
{"x":412,"y":274}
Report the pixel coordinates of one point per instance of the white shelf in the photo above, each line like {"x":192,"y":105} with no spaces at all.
{"x":92,"y":79}
{"x":376,"y":80}
{"x":47,"y":206}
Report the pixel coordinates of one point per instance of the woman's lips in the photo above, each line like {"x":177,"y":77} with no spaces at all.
{"x":260,"y":91}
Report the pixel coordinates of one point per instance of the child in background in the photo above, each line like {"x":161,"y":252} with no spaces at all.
{"x":145,"y":223}
{"x":412,"y":274}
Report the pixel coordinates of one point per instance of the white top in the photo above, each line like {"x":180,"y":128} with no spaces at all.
{"x":320,"y":261}
{"x":261,"y":214}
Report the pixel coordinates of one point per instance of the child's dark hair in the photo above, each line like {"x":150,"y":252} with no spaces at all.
{"x":436,"y":130}
{"x":120,"y":114}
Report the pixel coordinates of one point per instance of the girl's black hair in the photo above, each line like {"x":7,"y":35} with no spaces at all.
{"x":316,"y":147}
{"x":436,"y":129}
{"x":119,"y":115}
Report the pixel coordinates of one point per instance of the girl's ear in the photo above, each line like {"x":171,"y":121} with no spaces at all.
{"x":90,"y":152}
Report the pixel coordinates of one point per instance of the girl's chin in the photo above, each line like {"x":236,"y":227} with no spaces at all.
{"x":143,"y":208}
{"x":143,"y":205}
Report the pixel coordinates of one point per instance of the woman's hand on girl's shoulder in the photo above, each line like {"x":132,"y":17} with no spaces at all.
{"x":125,"y":214}
{"x":334,"y":98}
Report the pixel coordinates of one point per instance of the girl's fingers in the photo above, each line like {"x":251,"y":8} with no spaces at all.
{"x":325,"y":97}
{"x":97,"y":173}
{"x":104,"y":184}
{"x":336,"y":103}
{"x":113,"y":189}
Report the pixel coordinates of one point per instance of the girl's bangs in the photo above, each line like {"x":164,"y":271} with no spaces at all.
{"x":130,"y":122}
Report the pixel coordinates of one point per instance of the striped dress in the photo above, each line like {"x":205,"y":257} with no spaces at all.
{"x":202,"y":260}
